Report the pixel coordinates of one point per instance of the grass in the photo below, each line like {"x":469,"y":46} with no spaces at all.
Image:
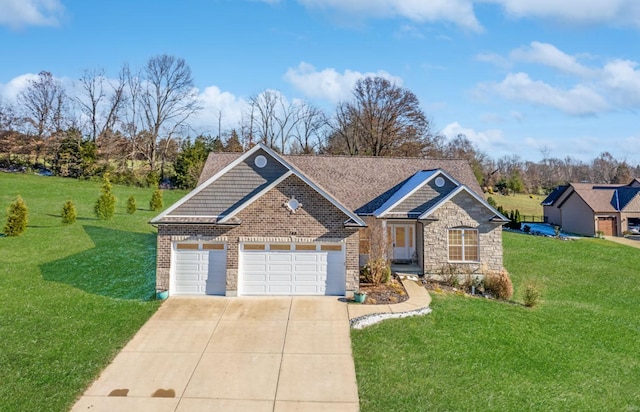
{"x":72,"y":296}
{"x":578,"y":350}
{"x":527,"y":204}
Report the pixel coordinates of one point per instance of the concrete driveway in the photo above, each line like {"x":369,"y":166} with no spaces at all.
{"x":233,"y":354}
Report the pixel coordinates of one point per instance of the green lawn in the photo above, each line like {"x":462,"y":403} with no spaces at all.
{"x":579,"y":350}
{"x":72,"y":296}
{"x":526,"y":204}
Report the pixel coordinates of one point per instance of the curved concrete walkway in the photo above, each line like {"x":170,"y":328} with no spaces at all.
{"x":275,"y":354}
{"x":633,"y":242}
{"x":418,"y":298}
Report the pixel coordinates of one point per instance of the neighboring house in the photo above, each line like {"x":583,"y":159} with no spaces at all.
{"x":260,"y":223}
{"x":586,"y":208}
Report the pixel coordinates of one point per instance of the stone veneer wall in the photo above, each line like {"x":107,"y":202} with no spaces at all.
{"x":462,"y":211}
{"x":268,"y":218}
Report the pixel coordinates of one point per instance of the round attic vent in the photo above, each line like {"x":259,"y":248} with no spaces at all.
{"x":439,"y":181}
{"x":260,"y":161}
{"x":293,"y":204}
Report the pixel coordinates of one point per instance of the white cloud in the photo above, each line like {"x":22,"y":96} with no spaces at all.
{"x":328,"y":84}
{"x":459,"y":12}
{"x":20,"y":13}
{"x":549,"y":55}
{"x":462,"y":13}
{"x":609,"y":12}
{"x":485,"y":140}
{"x":495,"y":59}
{"x":9,"y":91}
{"x":579,"y":100}
{"x":621,"y":79}
{"x":516,"y":115}
{"x":217,"y":103}
{"x":613,"y":86}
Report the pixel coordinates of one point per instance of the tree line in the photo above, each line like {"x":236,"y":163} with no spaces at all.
{"x":135,"y":126}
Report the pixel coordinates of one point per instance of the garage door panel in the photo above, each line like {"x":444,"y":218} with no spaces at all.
{"x":305,"y":257}
{"x":275,"y":278}
{"x":200,"y":271}
{"x":280,"y":289}
{"x":280,"y":267}
{"x":297,"y":271}
{"x":279,"y":257}
{"x":307,"y":268}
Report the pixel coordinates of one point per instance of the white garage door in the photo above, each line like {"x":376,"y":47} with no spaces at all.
{"x":292,"y":269}
{"x":200,"y":268}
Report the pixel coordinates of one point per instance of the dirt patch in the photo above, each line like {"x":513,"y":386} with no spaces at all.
{"x":384,"y":294}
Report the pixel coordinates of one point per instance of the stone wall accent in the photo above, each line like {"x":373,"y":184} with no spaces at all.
{"x":268,"y":218}
{"x":462,"y":211}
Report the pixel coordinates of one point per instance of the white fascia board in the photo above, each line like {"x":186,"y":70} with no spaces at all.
{"x":454,"y":193}
{"x":255,"y":197}
{"x":206,"y":183}
{"x":386,"y":208}
{"x":314,"y":186}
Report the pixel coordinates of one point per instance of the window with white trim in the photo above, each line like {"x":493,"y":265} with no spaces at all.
{"x":463,"y":245}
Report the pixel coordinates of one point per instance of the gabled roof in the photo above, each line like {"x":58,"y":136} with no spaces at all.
{"x":554,"y":196}
{"x":362,"y":184}
{"x":414,"y":183}
{"x":605,"y":198}
{"x":624,"y":196}
{"x":498,"y":217}
{"x":417,"y":194}
{"x":236,"y":185}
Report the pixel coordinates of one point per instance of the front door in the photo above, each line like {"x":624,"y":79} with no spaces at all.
{"x":403,"y":241}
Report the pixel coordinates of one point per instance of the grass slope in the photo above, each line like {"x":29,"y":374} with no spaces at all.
{"x":72,"y":296}
{"x":577,"y":351}
{"x":526,"y":204}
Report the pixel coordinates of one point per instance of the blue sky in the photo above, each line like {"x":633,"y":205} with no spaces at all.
{"x":516,"y":76}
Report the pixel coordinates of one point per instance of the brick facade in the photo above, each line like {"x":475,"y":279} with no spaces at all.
{"x":268,"y":218}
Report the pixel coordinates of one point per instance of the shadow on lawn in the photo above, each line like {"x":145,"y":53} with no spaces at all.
{"x":119,"y":265}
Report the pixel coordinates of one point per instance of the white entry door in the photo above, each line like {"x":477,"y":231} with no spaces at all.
{"x":403,"y":241}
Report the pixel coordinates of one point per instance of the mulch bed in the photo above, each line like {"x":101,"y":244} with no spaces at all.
{"x":386,"y":293}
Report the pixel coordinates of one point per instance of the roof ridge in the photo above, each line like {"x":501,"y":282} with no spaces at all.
{"x":309,"y":155}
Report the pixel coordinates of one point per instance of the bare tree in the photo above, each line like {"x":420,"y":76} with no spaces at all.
{"x":168,"y":100}
{"x":309,"y":129}
{"x":44,"y":103}
{"x":100,"y":101}
{"x":263,"y":108}
{"x":287,"y":117}
{"x":381,"y":120}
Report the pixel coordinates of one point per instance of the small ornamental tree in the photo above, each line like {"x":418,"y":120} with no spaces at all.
{"x":69,"y":213}
{"x":106,"y":204}
{"x":156,"y":200}
{"x":17,"y":219}
{"x":131,"y":205}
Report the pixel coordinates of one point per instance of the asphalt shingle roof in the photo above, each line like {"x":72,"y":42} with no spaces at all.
{"x":362,"y":184}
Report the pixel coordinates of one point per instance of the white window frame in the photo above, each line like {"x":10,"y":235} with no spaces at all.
{"x":464,"y":246}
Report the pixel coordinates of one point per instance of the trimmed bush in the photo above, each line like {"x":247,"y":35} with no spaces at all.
{"x":105,"y":206}
{"x":17,"y":218}
{"x":69,"y":213}
{"x":156,"y":200}
{"x":131,"y":205}
{"x":531,"y":295}
{"x":498,"y":284}
{"x":377,"y":271}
